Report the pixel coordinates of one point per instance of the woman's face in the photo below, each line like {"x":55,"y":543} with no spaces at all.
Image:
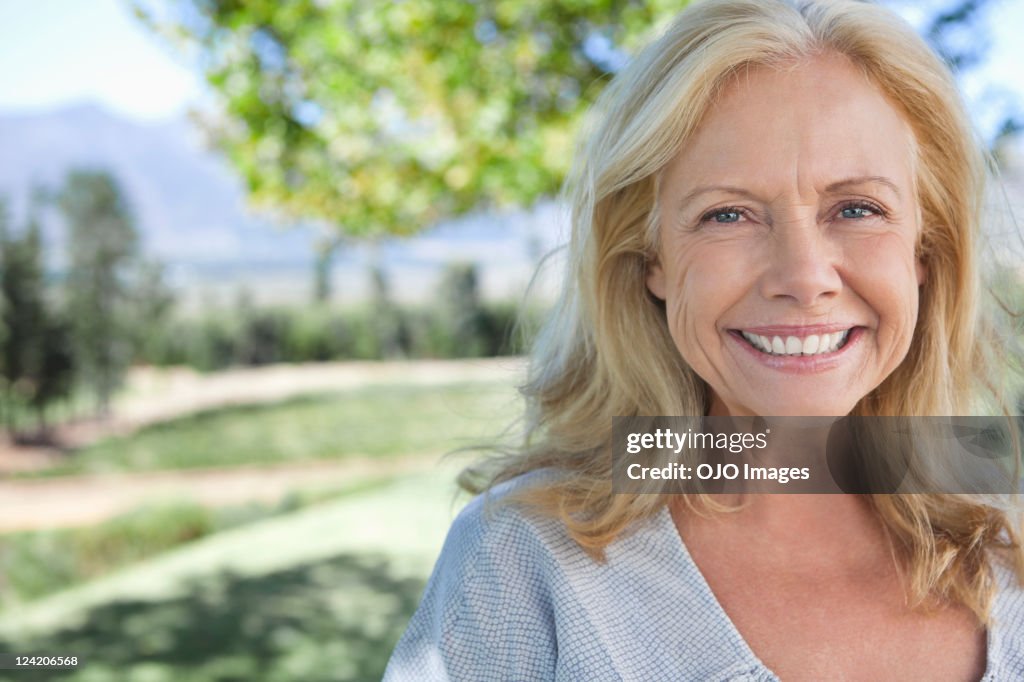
{"x":787,"y":242}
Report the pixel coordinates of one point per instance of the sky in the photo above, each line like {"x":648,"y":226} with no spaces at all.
{"x":59,"y":52}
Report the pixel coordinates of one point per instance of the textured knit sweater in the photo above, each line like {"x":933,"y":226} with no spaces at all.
{"x":512,"y":597}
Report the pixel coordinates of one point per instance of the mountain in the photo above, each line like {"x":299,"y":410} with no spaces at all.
{"x":189,"y":207}
{"x":191,"y":213}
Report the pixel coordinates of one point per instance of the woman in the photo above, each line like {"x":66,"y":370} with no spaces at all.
{"x":775,"y":212}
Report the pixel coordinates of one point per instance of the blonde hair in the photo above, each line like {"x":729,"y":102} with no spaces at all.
{"x":606,"y":351}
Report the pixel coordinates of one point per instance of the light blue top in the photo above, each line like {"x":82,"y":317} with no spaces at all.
{"x":512,"y":597}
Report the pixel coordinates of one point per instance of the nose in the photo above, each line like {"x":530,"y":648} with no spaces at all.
{"x":803,"y":264}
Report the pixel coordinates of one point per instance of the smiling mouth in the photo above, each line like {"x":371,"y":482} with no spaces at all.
{"x":814,"y":344}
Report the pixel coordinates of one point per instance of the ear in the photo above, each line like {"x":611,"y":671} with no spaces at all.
{"x":922,"y":271}
{"x":656,"y":278}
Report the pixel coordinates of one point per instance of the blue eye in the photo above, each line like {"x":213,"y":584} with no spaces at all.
{"x":856,"y":211}
{"x":722,"y":215}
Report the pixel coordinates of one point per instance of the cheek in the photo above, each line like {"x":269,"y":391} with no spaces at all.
{"x":889,"y":264}
{"x":886,"y":274}
{"x":703,"y":286}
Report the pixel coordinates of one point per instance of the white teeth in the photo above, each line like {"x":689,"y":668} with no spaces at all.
{"x":811,"y":345}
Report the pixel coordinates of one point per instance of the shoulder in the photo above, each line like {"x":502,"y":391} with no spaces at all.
{"x":501,"y":555}
{"x":494,"y":525}
{"x":487,"y":611}
{"x":1007,"y":636}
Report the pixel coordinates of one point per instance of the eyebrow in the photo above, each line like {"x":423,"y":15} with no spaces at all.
{"x":832,"y":188}
{"x":865,"y":180}
{"x":731,"y":189}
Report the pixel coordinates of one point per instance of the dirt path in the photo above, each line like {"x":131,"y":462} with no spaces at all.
{"x":85,"y":500}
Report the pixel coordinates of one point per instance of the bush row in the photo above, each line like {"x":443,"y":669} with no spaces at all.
{"x":257,"y":336}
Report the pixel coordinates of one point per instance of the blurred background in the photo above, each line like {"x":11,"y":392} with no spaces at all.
{"x":262,"y":265}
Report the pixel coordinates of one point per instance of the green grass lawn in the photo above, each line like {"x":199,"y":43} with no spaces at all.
{"x":322,"y":593}
{"x":380,"y":421}
{"x":36,"y":563}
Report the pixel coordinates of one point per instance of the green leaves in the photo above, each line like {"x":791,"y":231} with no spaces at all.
{"x":384,"y":117}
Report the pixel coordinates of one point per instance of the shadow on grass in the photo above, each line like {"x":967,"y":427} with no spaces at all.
{"x":335,"y":619}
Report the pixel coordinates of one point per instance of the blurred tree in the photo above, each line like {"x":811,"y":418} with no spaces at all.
{"x":37,"y":365}
{"x":102,"y":243}
{"x":260,"y":331}
{"x":261,"y":336}
{"x":326,"y":247}
{"x":5,"y":403}
{"x":460,"y":311}
{"x":3,"y":314}
{"x":150,"y":301}
{"x":56,"y":369}
{"x":953,"y":32}
{"x":957,"y":31}
{"x":385,"y":117}
{"x":21,"y":285}
{"x":385,"y":315}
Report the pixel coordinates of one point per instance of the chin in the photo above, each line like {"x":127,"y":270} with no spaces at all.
{"x":795,"y":408}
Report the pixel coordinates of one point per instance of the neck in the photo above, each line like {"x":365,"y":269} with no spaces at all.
{"x":808,"y":529}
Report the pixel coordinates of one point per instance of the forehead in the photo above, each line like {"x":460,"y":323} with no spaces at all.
{"x":814,"y":122}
